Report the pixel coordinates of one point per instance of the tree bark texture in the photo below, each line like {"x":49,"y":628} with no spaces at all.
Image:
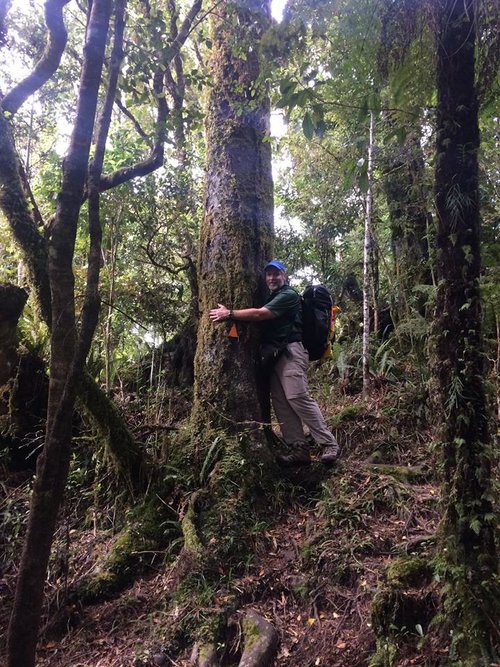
{"x":53,"y":463}
{"x":237,"y":230}
{"x":467,"y":530}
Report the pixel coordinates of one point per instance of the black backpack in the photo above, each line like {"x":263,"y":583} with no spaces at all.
{"x":317,"y":306}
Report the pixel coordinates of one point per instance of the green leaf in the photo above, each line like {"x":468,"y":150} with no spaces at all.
{"x":401,"y":134}
{"x":308,"y":126}
{"x":320,"y":128}
{"x":475,"y":525}
{"x":318,"y":113}
{"x":349,"y":174}
{"x":363,"y":182}
{"x":292,"y":102}
{"x":361,"y":143}
{"x":374,"y":102}
{"x":303,"y":97}
{"x":363,"y":111}
{"x":304,"y":66}
{"x":287,"y":86}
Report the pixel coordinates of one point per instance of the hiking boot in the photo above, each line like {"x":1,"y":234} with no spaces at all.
{"x":298,"y":455}
{"x":330,"y":454}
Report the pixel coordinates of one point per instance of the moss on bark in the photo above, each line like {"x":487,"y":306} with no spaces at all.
{"x":133,"y":549}
{"x":192,"y":542}
{"x":122,"y":448}
{"x":403,"y":607}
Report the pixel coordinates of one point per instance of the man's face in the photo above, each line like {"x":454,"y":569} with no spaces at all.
{"x":274,"y":278}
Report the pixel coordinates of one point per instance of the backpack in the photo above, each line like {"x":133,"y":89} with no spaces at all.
{"x":317,"y":321}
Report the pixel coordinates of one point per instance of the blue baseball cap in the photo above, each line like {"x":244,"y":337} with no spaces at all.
{"x":275,"y":264}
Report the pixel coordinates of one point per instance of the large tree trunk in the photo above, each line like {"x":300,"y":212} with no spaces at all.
{"x":468,"y":546}
{"x":237,"y":231}
{"x":66,"y":362}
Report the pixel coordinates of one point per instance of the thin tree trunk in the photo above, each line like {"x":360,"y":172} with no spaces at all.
{"x":374,"y":278}
{"x":367,"y":255}
{"x":65,"y":367}
{"x":467,"y":544}
{"x":237,"y":231}
{"x":108,"y":351}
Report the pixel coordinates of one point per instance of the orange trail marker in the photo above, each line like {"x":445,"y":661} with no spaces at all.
{"x":233,"y":332}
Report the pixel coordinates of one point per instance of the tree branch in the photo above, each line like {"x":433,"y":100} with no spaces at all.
{"x":184,"y":31}
{"x":176,"y":87}
{"x":155,"y":159}
{"x":134,"y":121}
{"x":48,"y":63}
{"x":35,"y":211}
{"x":91,"y":306}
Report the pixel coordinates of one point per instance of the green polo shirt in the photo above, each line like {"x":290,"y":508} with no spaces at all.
{"x":285,"y":303}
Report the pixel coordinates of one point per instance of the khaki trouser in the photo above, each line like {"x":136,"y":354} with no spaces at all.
{"x":291,"y":401}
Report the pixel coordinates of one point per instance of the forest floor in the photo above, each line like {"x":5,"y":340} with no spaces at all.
{"x":317,"y":567}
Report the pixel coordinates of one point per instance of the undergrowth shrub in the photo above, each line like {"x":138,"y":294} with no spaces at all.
{"x":355,"y":499}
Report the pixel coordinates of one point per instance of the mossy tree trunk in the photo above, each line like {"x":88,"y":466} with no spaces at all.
{"x":468,"y":546}
{"x":237,"y":230}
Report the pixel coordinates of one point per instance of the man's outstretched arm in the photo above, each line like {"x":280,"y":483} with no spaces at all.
{"x":222,"y":313}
